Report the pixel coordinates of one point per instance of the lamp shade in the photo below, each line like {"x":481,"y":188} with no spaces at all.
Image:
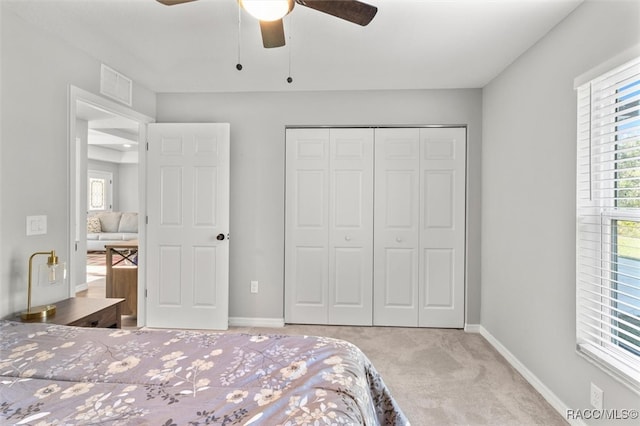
{"x":267,"y":10}
{"x":49,"y":275}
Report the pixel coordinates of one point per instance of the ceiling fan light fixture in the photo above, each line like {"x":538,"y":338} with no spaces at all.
{"x":267,"y":10}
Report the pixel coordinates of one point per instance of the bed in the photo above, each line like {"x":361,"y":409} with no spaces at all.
{"x":61,"y":375}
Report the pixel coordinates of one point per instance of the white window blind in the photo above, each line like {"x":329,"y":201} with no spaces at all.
{"x":608,"y":222}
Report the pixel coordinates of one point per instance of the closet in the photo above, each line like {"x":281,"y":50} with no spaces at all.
{"x":375,"y":226}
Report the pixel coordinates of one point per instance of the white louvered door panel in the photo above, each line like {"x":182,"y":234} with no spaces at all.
{"x":397,"y":228}
{"x":307,"y":226}
{"x":351,"y":227}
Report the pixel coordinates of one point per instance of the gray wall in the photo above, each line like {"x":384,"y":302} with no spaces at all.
{"x":528,"y":200}
{"x":36,"y":70}
{"x":258,"y":122}
{"x":128,"y":187}
{"x":125,"y":184}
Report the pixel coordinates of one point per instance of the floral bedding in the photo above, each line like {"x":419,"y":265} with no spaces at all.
{"x":59,"y":375}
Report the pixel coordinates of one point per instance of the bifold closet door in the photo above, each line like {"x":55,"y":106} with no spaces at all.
{"x":397,"y":227}
{"x":329,"y":226}
{"x":351,"y":226}
{"x":442,"y":227}
{"x":419,"y":255}
{"x":307,"y":226}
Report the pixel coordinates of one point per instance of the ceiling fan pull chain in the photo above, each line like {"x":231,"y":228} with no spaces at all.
{"x":239,"y":64}
{"x":290,"y":19}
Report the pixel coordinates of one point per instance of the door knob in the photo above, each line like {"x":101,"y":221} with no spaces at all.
{"x":220,"y":237}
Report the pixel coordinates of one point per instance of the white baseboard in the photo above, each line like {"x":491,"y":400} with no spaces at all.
{"x":533,"y":380}
{"x":82,"y":287}
{"x":256,"y":322}
{"x":472,"y":328}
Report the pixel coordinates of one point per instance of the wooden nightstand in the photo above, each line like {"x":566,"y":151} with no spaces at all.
{"x":86,"y":312}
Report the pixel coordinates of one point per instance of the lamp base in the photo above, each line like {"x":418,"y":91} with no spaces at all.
{"x":43,"y":311}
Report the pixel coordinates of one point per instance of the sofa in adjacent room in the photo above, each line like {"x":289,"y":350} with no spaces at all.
{"x":110,"y":227}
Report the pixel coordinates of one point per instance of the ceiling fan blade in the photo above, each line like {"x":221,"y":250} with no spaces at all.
{"x":174,"y":2}
{"x":350,"y":10}
{"x":272,"y":33}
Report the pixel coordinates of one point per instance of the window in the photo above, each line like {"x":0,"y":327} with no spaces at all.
{"x":608,"y":222}
{"x":99,"y":191}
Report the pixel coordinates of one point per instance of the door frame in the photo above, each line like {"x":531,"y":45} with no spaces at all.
{"x":76,"y":160}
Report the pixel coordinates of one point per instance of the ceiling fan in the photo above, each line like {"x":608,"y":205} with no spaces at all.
{"x":271,"y":12}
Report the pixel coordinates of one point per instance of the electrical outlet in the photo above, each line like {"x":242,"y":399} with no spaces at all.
{"x":597,"y":397}
{"x":254,"y":286}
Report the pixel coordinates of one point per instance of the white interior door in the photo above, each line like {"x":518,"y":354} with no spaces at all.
{"x":187,"y":251}
{"x":442,"y":223}
{"x":397,"y":227}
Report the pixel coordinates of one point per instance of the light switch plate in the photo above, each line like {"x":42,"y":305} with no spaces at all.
{"x":36,"y":225}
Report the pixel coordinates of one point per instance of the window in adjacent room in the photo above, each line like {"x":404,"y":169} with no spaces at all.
{"x":608,"y":222}
{"x":99,"y":187}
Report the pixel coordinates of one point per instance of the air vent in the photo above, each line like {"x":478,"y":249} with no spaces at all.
{"x":115,"y":85}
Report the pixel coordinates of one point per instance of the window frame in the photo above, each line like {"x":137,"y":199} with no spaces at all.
{"x":597,"y":215}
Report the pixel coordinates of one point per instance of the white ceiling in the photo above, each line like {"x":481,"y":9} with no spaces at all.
{"x":193,"y":47}
{"x":110,"y":137}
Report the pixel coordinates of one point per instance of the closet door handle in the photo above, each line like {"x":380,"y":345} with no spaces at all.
{"x":347,"y":238}
{"x":398,"y":239}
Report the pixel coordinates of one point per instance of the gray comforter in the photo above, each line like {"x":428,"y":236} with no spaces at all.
{"x":58,"y":375}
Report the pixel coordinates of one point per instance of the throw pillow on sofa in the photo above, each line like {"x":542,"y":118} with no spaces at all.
{"x":93,"y":225}
{"x":128,"y":223}
{"x":110,"y":221}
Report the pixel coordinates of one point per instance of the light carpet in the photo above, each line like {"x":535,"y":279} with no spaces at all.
{"x":442,"y":377}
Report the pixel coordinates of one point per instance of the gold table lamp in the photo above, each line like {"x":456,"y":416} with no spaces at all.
{"x":44,"y":310}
